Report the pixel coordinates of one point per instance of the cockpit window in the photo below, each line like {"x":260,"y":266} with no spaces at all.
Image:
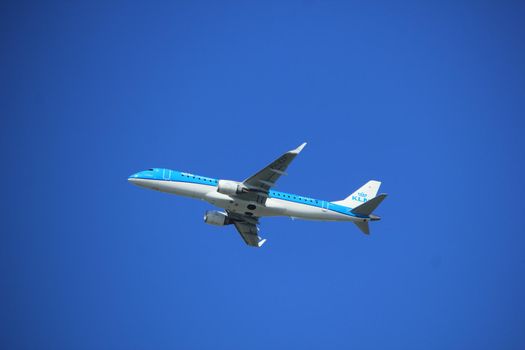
{"x":150,"y":169}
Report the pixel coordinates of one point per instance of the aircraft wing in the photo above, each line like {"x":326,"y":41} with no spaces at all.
{"x":249,"y":233}
{"x":266,"y":178}
{"x":247,"y":228}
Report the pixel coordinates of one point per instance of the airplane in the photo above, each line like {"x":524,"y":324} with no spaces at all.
{"x":245,"y":202}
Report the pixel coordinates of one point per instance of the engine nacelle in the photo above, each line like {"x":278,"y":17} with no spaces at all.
{"x":229,"y":187}
{"x":217,"y":218}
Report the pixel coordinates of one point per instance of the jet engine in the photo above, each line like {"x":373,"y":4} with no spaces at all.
{"x":217,"y":218}
{"x":229,"y":187}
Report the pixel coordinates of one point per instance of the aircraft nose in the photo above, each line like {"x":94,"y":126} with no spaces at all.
{"x":142,"y":178}
{"x":135,"y":178}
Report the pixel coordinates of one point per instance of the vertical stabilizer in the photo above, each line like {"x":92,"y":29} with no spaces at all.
{"x":362,"y":195}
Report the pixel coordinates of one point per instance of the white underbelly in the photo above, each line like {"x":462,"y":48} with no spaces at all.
{"x":272,"y":207}
{"x":244,"y":207}
{"x":183,"y":188}
{"x":309,"y":212}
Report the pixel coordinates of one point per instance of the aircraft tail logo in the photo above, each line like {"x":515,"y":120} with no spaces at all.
{"x":362,"y":195}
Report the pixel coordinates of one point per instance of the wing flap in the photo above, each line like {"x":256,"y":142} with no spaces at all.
{"x":249,"y":233}
{"x":247,"y":228}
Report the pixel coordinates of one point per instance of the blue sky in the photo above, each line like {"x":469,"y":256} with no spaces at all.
{"x":427,"y":97}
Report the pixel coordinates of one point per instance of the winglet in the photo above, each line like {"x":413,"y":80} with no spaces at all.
{"x":261,"y":242}
{"x":299,"y":149}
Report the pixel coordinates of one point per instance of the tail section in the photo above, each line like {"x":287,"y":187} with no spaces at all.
{"x":362,"y":195}
{"x":363,"y":226}
{"x":366,"y":209}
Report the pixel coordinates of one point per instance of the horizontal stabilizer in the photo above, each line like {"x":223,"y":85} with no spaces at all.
{"x":363,"y":226}
{"x":369,"y":206}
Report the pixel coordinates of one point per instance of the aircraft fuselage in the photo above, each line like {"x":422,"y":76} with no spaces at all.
{"x":277,"y":203}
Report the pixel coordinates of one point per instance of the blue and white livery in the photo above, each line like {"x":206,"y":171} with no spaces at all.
{"x":245,"y":202}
